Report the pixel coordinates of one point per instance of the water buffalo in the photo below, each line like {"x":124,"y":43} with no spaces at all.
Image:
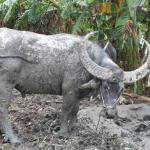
{"x":61,"y":64}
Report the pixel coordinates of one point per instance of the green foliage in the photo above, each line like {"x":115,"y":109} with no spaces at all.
{"x":124,"y":27}
{"x":133,"y":5}
{"x":23,"y":13}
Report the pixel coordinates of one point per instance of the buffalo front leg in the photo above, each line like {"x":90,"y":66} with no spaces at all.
{"x":5,"y":95}
{"x":73,"y":121}
{"x":69,"y":113}
{"x":70,"y":105}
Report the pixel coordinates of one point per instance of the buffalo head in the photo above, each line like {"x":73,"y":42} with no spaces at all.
{"x":112,"y":77}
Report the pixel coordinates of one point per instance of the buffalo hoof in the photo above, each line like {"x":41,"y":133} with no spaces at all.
{"x":110,"y":113}
{"x":12,"y":140}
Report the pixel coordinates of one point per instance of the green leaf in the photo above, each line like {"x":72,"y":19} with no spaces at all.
{"x":1,"y":1}
{"x":90,"y":1}
{"x":132,"y":5}
{"x":11,"y":11}
{"x":22,"y":21}
{"x":122,"y":19}
{"x":82,"y":2}
{"x":36,"y":11}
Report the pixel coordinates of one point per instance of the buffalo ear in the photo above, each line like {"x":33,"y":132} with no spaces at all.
{"x":109,"y":49}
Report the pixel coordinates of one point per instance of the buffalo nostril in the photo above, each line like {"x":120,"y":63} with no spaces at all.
{"x":114,"y":79}
{"x":110,"y":116}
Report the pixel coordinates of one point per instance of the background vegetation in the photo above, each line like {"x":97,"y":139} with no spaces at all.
{"x":122,"y":22}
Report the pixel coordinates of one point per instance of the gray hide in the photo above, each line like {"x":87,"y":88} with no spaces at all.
{"x":34,"y":63}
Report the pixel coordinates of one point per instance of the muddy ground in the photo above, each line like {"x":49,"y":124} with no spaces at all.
{"x":33,"y":118}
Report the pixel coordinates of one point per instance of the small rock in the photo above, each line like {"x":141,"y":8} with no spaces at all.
{"x":146,"y":118}
{"x":140,"y":128}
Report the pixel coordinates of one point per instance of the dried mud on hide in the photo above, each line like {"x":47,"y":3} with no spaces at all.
{"x":33,"y":117}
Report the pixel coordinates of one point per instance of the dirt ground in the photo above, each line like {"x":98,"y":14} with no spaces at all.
{"x":33,"y":120}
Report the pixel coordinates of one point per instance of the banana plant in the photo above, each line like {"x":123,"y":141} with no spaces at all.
{"x":122,"y":22}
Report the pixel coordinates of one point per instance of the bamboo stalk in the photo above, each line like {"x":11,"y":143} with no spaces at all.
{"x":137,"y":97}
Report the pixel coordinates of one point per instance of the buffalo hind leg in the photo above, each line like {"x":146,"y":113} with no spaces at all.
{"x":5,"y":96}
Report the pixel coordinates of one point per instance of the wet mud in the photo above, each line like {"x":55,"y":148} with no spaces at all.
{"x":33,"y":119}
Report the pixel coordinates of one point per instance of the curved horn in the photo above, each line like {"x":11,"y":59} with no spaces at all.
{"x":106,"y":46}
{"x":148,"y":85}
{"x":141,"y":72}
{"x":89,"y":64}
{"x":90,"y":34}
{"x":148,"y":59}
